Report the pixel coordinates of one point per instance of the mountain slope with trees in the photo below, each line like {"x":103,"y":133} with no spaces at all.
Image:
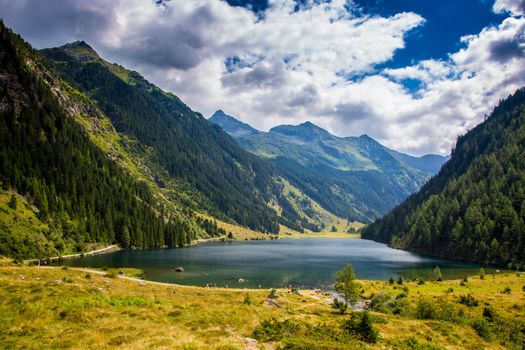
{"x":72,"y":191}
{"x":207,"y":169}
{"x":474,"y":209}
{"x":353,"y":177}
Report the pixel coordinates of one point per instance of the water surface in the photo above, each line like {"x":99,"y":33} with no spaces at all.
{"x":305,"y":263}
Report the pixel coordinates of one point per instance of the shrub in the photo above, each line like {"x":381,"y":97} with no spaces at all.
{"x":360,"y":325}
{"x":247,"y":299}
{"x":87,"y":276}
{"x":482,"y":328}
{"x":468,"y":300}
{"x":391,"y":280}
{"x":450,"y":290}
{"x":506,"y":290}
{"x":339,"y":306}
{"x":420,"y":281}
{"x":425,"y":310}
{"x":400,"y":280}
{"x":273,"y":330}
{"x":379,"y":302}
{"x":482,"y":273}
{"x":488,"y":313}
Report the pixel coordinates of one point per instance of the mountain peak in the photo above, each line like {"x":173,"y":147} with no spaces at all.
{"x":81,"y":51}
{"x":231,"y":125}
{"x":305,"y":131}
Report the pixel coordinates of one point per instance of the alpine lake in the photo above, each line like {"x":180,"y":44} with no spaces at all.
{"x":302,"y":263}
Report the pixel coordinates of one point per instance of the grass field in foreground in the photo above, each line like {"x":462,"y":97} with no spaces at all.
{"x":56,"y":308}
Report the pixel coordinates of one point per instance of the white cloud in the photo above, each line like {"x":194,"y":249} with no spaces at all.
{"x":291,"y":66}
{"x":515,"y":7}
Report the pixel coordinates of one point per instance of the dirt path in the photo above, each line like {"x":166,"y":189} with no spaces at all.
{"x":108,"y":249}
{"x":206,"y":240}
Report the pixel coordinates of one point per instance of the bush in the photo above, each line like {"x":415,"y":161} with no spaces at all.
{"x":360,"y":325}
{"x":400,"y":280}
{"x":488,"y":313}
{"x":379,"y":302}
{"x":391,"y":280}
{"x":468,"y":300}
{"x":420,"y":281}
{"x":339,"y":306}
{"x":247,"y":299}
{"x":482,"y":328}
{"x":273,"y":330}
{"x":425,"y":310}
{"x":506,"y":290}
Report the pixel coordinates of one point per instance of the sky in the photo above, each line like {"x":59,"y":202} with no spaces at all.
{"x":412,"y":74}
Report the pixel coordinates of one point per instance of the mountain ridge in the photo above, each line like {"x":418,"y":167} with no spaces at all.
{"x":306,"y":153}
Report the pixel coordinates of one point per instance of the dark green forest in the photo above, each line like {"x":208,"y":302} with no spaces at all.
{"x":81,"y":194}
{"x":474,"y":209}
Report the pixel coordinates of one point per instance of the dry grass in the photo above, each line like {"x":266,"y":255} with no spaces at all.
{"x":61,"y":308}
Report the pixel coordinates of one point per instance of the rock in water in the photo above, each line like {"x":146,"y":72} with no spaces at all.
{"x":179,"y":269}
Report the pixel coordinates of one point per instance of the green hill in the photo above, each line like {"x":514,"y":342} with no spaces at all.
{"x":474,"y":209}
{"x":352,"y":177}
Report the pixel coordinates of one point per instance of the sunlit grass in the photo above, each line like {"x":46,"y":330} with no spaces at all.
{"x":68,"y":308}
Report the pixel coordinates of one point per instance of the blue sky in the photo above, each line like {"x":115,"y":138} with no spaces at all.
{"x":413,"y":74}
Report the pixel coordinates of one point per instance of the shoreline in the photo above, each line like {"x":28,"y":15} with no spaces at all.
{"x":105,"y":250}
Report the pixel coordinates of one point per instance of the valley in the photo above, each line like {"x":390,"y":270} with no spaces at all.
{"x":359,"y":196}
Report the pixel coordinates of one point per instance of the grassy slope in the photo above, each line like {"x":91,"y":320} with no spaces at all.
{"x":103,"y":312}
{"x":22,"y":225}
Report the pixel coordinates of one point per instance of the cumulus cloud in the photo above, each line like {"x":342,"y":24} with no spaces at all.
{"x":294,"y":63}
{"x":515,"y":7}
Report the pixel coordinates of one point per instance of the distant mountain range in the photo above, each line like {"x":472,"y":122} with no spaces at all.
{"x":352,"y":177}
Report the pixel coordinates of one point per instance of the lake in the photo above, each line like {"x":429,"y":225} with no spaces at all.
{"x":304,"y":263}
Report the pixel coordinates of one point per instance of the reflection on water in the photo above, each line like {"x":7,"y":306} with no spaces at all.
{"x":305,"y":263}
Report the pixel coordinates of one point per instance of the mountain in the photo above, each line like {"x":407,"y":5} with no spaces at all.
{"x":474,"y":209}
{"x":200,"y":166}
{"x":352,"y":177}
{"x":59,"y":191}
{"x":231,"y":125}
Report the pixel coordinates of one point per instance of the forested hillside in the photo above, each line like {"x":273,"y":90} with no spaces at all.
{"x":79,"y":195}
{"x":206,"y":168}
{"x":474,"y":209}
{"x":352,"y":177}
